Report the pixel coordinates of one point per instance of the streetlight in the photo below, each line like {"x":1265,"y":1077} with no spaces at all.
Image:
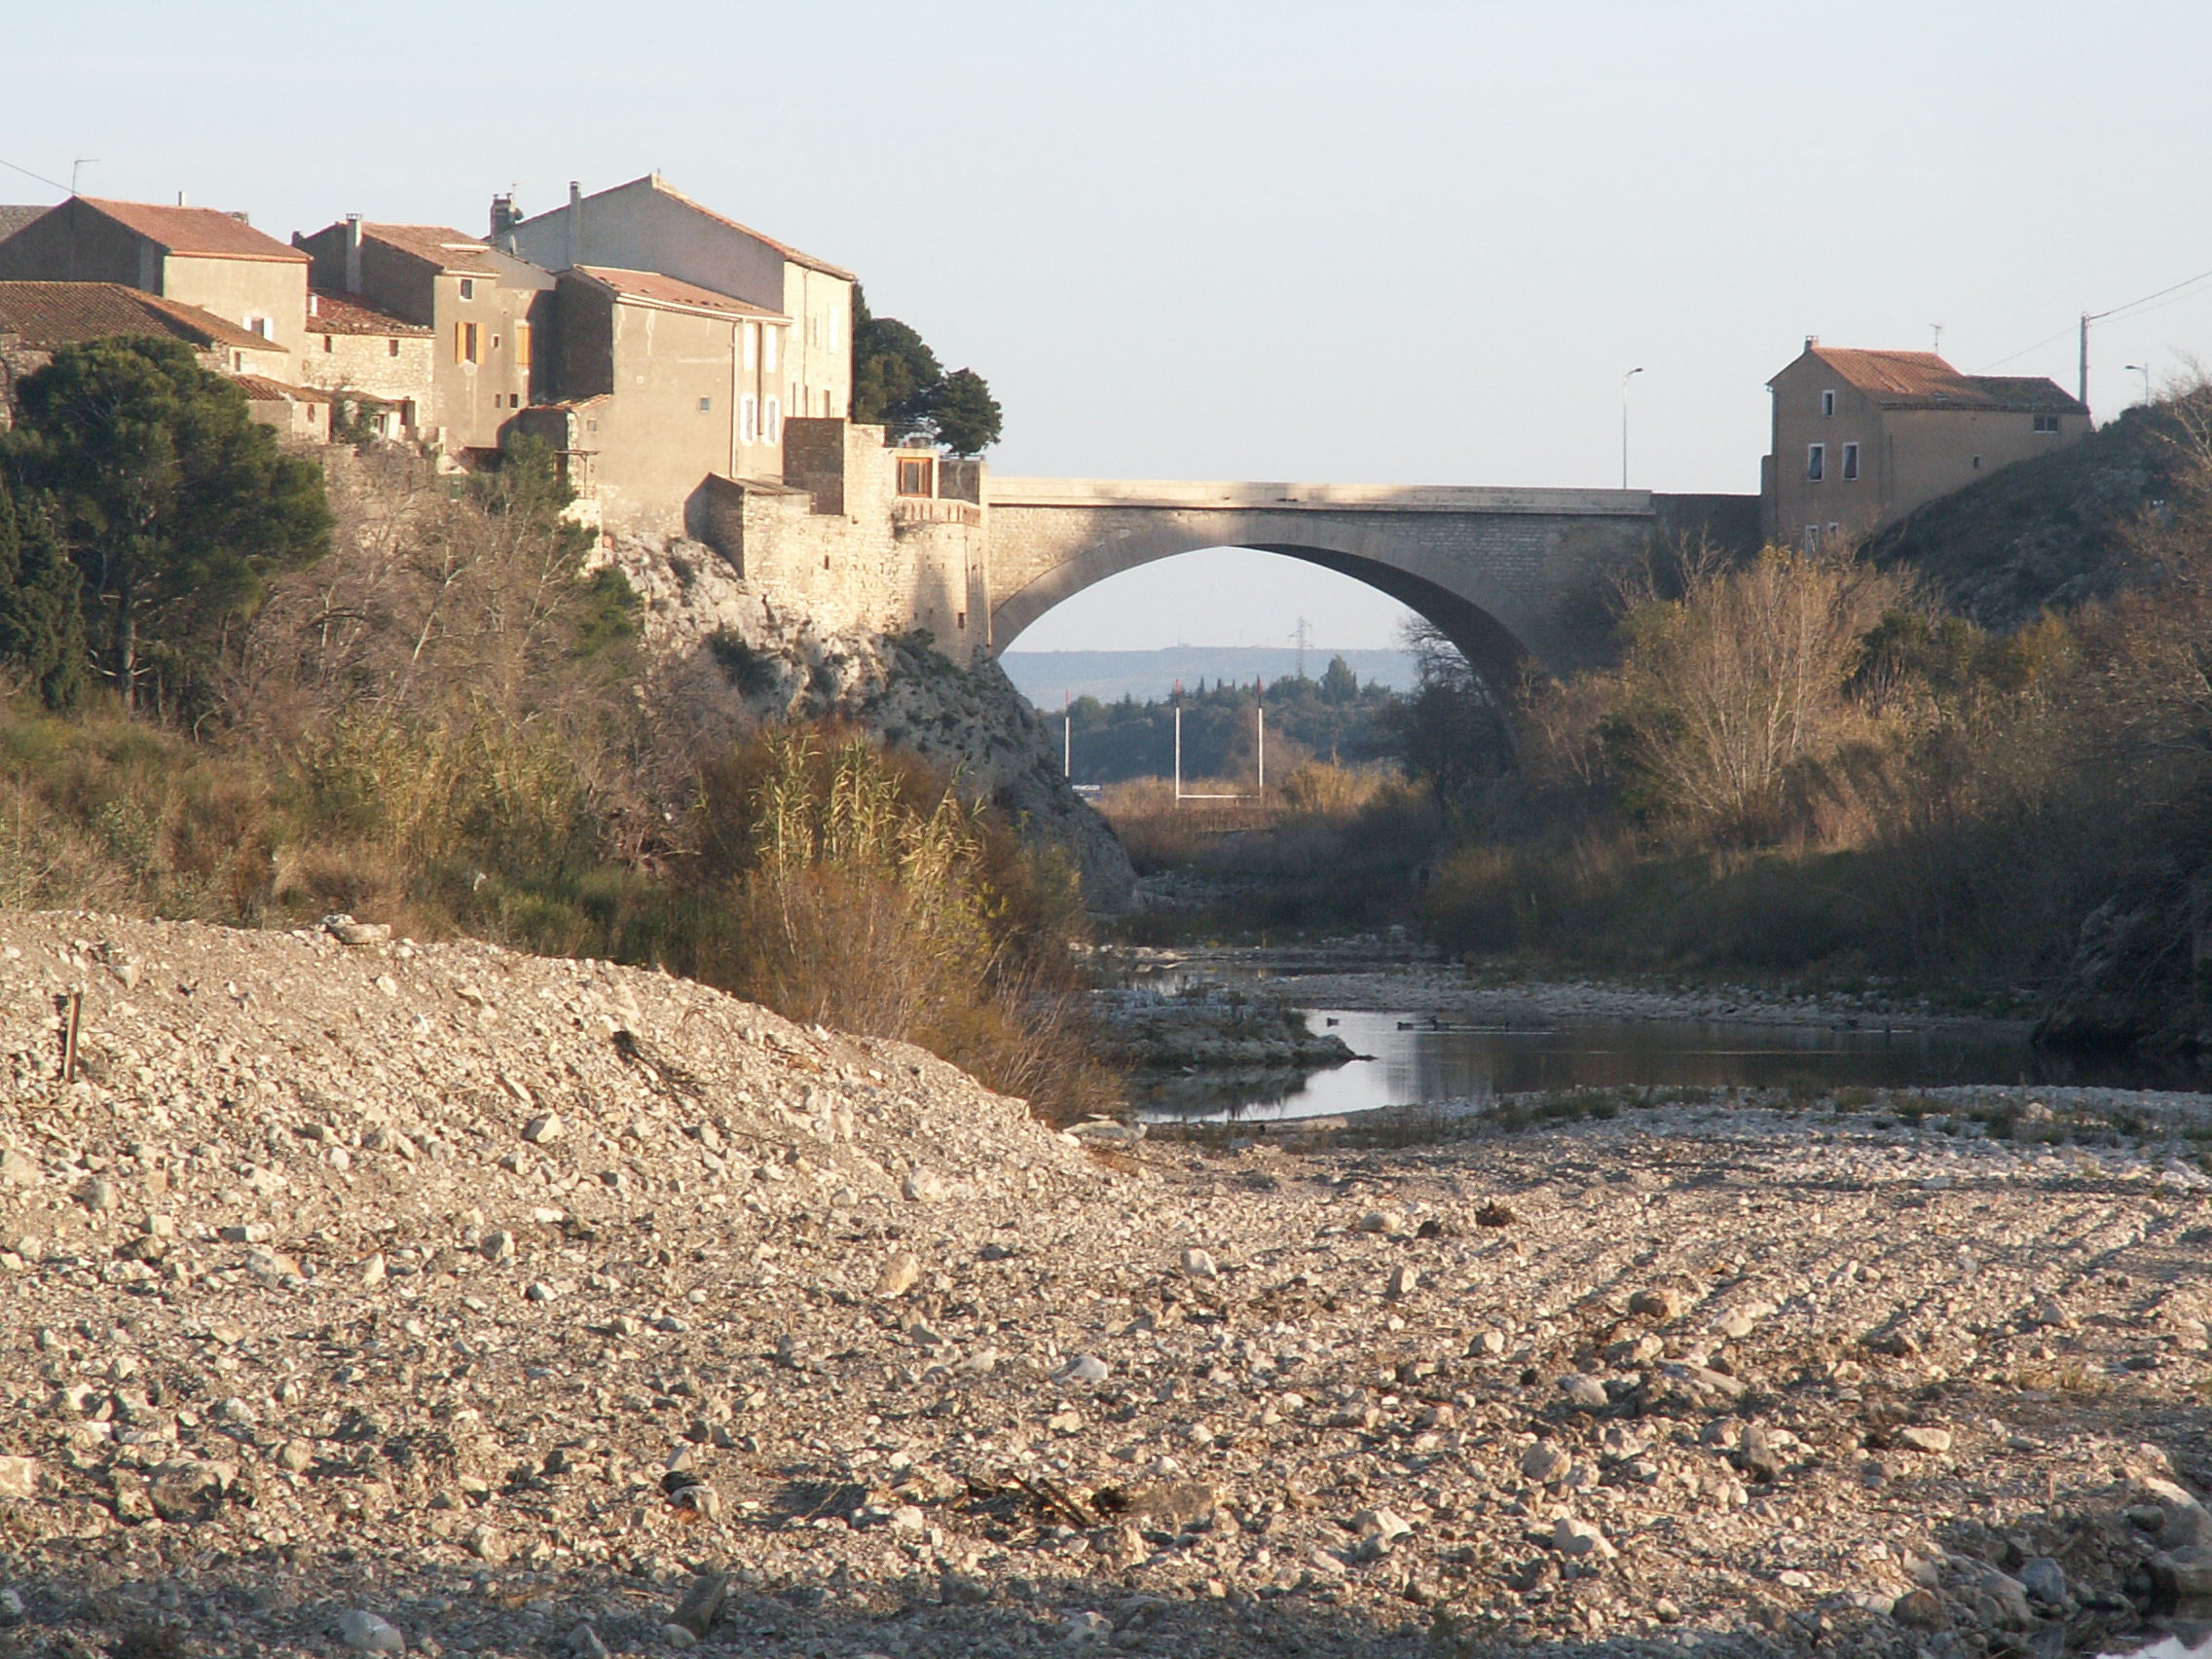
{"x":1625,"y":379}
{"x":2142,"y":369}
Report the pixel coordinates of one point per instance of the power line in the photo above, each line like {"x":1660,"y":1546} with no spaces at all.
{"x":2098,"y":316}
{"x":27,"y":174}
{"x":2025,"y":350}
{"x":2116,"y":311}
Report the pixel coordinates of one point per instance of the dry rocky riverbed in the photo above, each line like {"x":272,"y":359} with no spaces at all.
{"x":374,"y":1293}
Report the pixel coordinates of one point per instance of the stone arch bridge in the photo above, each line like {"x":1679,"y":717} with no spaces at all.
{"x":1515,"y":578}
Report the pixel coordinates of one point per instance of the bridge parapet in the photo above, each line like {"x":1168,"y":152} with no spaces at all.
{"x":1200,"y":496}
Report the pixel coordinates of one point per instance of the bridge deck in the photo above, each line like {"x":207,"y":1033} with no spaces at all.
{"x":1190,"y":495}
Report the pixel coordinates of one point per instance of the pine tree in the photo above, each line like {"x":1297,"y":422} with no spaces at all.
{"x":964,"y":414}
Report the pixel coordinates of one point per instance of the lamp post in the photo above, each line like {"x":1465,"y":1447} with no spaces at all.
{"x":1625,"y":379}
{"x":2142,"y":369}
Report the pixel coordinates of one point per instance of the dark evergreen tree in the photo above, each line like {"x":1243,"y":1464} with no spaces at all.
{"x":964,"y":414}
{"x":894,"y":373}
{"x":42,"y":626}
{"x":899,"y":384}
{"x":175,"y":504}
{"x":1339,"y":685}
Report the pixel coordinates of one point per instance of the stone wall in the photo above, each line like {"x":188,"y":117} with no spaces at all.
{"x":835,"y":542}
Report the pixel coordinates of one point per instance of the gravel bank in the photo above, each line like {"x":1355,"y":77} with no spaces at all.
{"x":379,"y":1295}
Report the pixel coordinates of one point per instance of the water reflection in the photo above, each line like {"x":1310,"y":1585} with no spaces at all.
{"x":1413,"y":1064}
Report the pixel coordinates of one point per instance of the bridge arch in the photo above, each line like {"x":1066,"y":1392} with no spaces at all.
{"x":1488,"y":644}
{"x":1506,"y":575}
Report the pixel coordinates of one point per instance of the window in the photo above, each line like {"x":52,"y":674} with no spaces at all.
{"x":1816,"y":462}
{"x":1827,"y":405}
{"x":1977,"y":464}
{"x":468,"y":287}
{"x":392,"y":348}
{"x":914,"y":475}
{"x":772,"y":421}
{"x":2047,"y":422}
{"x":752,"y":344}
{"x":262,"y":326}
{"x":326,"y":347}
{"x":592,"y":427}
{"x":825,"y":406}
{"x":768,"y":349}
{"x":494,"y":342}
{"x":747,"y":419}
{"x":521,"y":345}
{"x":706,"y":405}
{"x":1812,"y":538}
{"x":1851,"y":464}
{"x":464,"y":343}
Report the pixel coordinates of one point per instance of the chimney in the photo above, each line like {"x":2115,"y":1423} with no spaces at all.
{"x":504,"y":219}
{"x":353,"y":253}
{"x":1811,"y":341}
{"x":575,"y":222}
{"x":180,"y":200}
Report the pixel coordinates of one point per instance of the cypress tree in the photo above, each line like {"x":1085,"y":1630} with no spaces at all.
{"x":42,"y":624}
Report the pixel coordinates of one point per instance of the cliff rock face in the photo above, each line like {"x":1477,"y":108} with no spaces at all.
{"x":2138,"y":976}
{"x":727,"y":658}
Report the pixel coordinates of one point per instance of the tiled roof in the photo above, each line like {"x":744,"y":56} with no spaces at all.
{"x":343,"y":314}
{"x":653,"y":288}
{"x":441,"y":245}
{"x":1921,"y":379}
{"x":13,"y":217}
{"x":49,"y":315}
{"x":198,"y":233}
{"x":260,"y":388}
{"x":785,"y":248}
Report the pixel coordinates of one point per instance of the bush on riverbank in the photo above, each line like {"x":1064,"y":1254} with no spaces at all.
{"x":1804,"y":764}
{"x":447,"y":725}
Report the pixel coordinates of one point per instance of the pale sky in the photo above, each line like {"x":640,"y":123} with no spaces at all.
{"x":1388,"y":242}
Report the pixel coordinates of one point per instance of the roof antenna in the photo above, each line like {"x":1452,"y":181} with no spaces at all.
{"x":1937,"y":329}
{"x":78,"y":166}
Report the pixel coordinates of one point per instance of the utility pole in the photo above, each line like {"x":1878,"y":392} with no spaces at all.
{"x":1178,"y":751}
{"x":1625,"y":379}
{"x":2084,"y":391}
{"x":1301,"y":636}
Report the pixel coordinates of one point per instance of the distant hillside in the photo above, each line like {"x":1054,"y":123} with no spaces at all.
{"x":1046,"y":676}
{"x":2044,"y":532}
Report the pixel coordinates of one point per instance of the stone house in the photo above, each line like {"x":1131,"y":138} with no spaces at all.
{"x":484,"y":309}
{"x":662,"y":385}
{"x":649,"y":226}
{"x":195,"y":255}
{"x":1861,"y":437}
{"x":301,"y":413}
{"x":379,"y":367}
{"x":39,"y":318}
